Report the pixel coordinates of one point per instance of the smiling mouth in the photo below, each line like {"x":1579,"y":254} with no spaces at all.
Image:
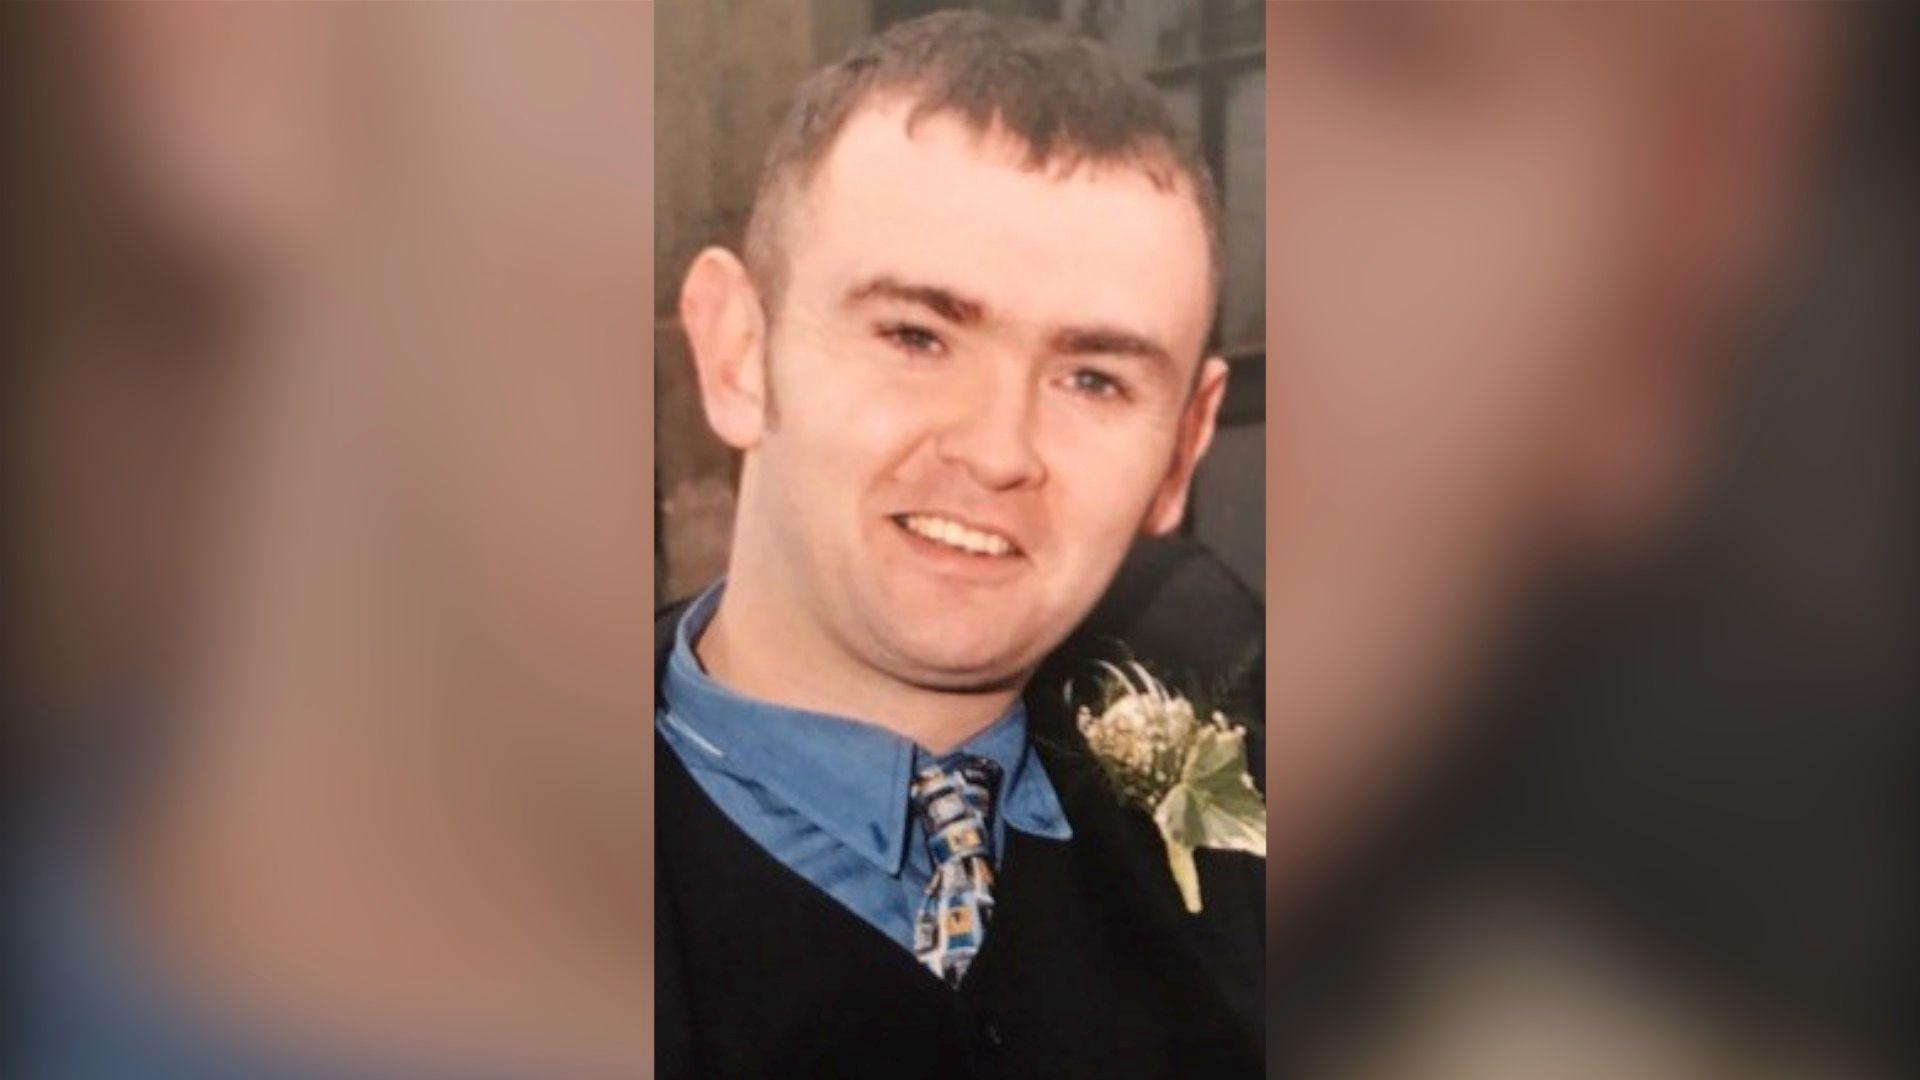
{"x":952,"y":534}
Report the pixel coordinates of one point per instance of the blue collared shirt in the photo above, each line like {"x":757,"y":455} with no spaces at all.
{"x":827,"y":796}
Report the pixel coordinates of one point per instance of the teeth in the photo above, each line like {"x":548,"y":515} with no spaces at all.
{"x":953,"y":534}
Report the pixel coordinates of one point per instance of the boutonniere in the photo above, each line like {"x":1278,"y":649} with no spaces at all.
{"x":1189,"y":774}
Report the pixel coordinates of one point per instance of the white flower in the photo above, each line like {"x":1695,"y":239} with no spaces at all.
{"x":1190,"y":775}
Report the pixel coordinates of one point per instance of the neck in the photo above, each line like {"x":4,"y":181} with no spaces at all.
{"x":752,"y":650}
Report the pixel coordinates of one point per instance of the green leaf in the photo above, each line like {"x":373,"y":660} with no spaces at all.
{"x":1215,"y":804}
{"x":1185,"y":874}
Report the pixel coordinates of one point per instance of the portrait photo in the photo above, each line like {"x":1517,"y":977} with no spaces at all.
{"x":1121,"y":539}
{"x":959,"y":419}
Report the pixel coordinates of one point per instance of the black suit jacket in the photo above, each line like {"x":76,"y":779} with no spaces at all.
{"x":1092,"y":967}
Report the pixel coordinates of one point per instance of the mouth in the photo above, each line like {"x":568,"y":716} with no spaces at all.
{"x":958,"y":536}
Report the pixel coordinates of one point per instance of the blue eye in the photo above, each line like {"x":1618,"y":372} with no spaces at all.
{"x":912,"y":339}
{"x":1096,"y":384}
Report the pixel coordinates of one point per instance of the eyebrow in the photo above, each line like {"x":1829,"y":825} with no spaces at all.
{"x":942,"y":301}
{"x":1096,"y":340}
{"x":1108,"y":341}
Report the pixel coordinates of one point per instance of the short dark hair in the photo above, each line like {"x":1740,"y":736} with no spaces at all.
{"x":1070,"y":100}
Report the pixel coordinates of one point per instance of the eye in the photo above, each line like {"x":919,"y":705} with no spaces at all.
{"x":911,"y":338}
{"x":1096,"y":384}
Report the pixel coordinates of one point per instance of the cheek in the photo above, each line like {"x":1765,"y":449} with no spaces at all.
{"x":1102,"y":474}
{"x":857,"y":415}
{"x":839,"y":427}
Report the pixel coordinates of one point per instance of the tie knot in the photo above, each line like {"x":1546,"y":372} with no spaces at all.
{"x":955,"y":804}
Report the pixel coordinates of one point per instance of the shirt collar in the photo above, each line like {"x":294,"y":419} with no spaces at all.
{"x":847,"y":776}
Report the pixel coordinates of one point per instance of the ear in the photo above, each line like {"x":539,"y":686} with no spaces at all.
{"x":726,"y":327}
{"x":1196,"y":434}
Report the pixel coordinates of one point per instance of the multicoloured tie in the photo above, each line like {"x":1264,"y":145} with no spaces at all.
{"x":956,"y":807}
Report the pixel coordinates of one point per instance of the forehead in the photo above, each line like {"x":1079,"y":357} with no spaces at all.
{"x":945,"y":204}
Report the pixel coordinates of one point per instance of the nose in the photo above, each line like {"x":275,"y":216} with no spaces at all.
{"x":991,"y":435}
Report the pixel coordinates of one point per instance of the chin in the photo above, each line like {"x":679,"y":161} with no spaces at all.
{"x":949,"y":663}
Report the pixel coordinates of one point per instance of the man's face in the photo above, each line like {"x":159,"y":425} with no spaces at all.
{"x":980,"y":378}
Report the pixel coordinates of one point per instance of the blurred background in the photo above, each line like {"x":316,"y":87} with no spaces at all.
{"x":328,"y":616}
{"x":1591,"y":666}
{"x":727,"y":73}
{"x":1584,"y":371}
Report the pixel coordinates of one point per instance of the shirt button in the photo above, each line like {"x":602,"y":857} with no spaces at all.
{"x":990,"y":1032}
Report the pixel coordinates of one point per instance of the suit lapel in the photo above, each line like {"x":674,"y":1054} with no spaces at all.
{"x":672,"y":1022}
{"x":1210,"y":946}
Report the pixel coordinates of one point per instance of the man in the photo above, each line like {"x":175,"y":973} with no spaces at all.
{"x":962,"y":359}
